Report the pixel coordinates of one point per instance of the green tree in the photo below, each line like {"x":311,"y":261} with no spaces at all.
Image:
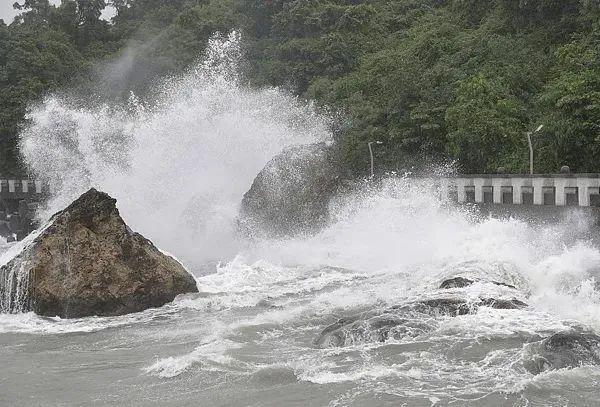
{"x":433,"y":79}
{"x":486,"y":126}
{"x":571,"y":106}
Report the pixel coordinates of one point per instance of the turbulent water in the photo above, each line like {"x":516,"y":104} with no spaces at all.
{"x":250,"y":337}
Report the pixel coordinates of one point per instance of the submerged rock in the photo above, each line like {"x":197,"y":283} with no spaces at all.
{"x":379,"y":328}
{"x":407,"y":320}
{"x":461,"y":282}
{"x":457,"y":306}
{"x":563,"y":350}
{"x":291,"y":193}
{"x":504,"y":284}
{"x":456,"y":282}
{"x":442,"y":306}
{"x":88,"y":262}
{"x":466,"y":273}
{"x":503,"y":304}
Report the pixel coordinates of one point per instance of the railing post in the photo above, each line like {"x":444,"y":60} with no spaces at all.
{"x":517,"y":184}
{"x":460,"y":189}
{"x":538,"y":191}
{"x":478,"y":184}
{"x":444,"y":194}
{"x":497,"y":190}
{"x":583,"y":186}
{"x":559,"y":190}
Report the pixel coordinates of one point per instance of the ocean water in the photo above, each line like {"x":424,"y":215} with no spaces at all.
{"x":249,"y":338}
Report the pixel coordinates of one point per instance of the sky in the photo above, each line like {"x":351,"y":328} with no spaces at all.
{"x":6,"y":10}
{"x":7,"y":13}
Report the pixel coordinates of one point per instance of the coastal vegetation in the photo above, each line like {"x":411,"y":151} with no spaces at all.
{"x":435,"y":81}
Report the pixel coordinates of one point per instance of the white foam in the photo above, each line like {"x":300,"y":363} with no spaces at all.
{"x":210,"y":355}
{"x":30,"y":323}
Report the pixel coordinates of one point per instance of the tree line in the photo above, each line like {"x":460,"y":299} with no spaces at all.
{"x":434,"y":80}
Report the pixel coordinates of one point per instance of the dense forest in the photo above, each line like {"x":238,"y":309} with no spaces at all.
{"x":434,"y":80}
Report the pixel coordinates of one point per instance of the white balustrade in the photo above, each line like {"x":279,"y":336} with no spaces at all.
{"x":572,"y":189}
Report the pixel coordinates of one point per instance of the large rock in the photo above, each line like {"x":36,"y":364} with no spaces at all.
{"x":291,"y":194}
{"x":88,"y":262}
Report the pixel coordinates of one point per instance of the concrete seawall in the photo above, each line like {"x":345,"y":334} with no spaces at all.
{"x":539,"y":214}
{"x":573,"y":223}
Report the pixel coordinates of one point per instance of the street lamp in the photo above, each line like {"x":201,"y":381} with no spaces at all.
{"x":529,"y":134}
{"x":371,"y":153}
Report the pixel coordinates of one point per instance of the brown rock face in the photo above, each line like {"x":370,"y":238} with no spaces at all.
{"x":88,"y":262}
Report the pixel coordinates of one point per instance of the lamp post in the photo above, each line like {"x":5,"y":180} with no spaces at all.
{"x":371,"y":153}
{"x":529,"y":134}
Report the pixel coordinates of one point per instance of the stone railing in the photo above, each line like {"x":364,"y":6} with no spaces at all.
{"x":20,"y":188}
{"x":19,"y":200}
{"x":543,"y":189}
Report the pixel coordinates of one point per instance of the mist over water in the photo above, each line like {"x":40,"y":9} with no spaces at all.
{"x":179,"y":168}
{"x":179,"y":164}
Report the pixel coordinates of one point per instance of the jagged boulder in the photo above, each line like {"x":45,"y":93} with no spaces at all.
{"x":291,"y":193}
{"x":88,"y":262}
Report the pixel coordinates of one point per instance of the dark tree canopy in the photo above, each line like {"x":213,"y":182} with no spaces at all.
{"x":434,"y":80}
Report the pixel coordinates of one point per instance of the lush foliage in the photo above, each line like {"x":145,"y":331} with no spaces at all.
{"x":457,"y":79}
{"x":434,"y":80}
{"x":70,"y":48}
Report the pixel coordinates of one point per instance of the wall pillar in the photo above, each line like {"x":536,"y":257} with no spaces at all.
{"x":497,"y":189}
{"x":559,"y":189}
{"x":538,"y":193}
{"x":517,"y":183}
{"x":444,"y":193}
{"x":478,"y":183}
{"x":460,"y":187}
{"x":584,"y":189}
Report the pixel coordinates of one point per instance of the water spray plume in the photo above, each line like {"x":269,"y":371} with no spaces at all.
{"x":178,"y":166}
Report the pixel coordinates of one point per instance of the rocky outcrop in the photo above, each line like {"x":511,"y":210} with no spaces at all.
{"x":563,"y":350}
{"x":88,"y":262}
{"x":292,"y":192}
